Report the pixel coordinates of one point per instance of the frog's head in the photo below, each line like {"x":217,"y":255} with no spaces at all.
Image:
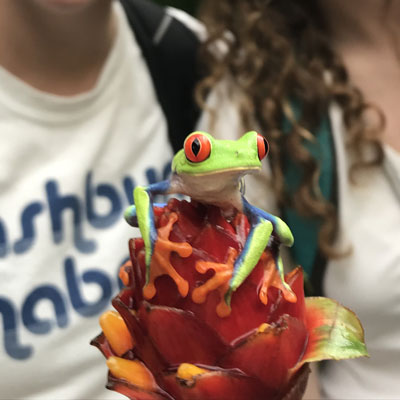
{"x":204,"y":155}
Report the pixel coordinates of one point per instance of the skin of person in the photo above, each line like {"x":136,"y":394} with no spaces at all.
{"x":371,"y":54}
{"x":56,"y":46}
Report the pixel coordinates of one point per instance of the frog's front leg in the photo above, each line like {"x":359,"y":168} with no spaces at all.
{"x":262,"y":225}
{"x":281,"y":230}
{"x":256,"y":242}
{"x":283,"y":236}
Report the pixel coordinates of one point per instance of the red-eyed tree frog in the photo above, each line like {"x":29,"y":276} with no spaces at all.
{"x":210,"y":171}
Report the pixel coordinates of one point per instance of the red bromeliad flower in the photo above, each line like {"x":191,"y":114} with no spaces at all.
{"x":174,"y":337}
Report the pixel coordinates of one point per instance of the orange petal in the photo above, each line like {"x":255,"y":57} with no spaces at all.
{"x":188,"y":371}
{"x":132,"y":371}
{"x":116,"y":332}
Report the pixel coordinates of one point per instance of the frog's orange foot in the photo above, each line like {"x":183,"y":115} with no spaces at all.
{"x":124,"y":273}
{"x":160,"y":261}
{"x":272,"y":277}
{"x":220,"y":282}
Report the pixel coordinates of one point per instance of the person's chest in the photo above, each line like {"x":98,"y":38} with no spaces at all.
{"x":65,"y":184}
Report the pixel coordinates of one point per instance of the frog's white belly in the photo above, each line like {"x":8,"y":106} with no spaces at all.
{"x":221,"y":190}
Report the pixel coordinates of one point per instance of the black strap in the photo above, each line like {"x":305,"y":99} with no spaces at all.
{"x":170,"y":50}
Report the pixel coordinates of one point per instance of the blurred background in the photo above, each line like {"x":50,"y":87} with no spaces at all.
{"x":189,"y":6}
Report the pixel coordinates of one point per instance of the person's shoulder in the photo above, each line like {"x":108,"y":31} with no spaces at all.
{"x":156,"y":18}
{"x":192,"y":23}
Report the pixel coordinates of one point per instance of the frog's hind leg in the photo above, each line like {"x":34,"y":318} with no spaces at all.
{"x":266,"y":231}
{"x":145,"y":217}
{"x":257,"y":240}
{"x":285,"y":288}
{"x":274,"y":276}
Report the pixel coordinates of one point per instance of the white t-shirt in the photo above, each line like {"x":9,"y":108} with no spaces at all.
{"x":67,"y":170}
{"x":368,"y":280}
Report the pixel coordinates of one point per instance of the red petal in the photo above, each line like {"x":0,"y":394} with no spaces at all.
{"x":297,"y":385}
{"x":136,"y":250}
{"x":127,"y":296}
{"x":269,"y":355}
{"x":248,"y":313}
{"x":181,"y":337}
{"x":218,"y":385}
{"x":190,"y":220}
{"x":211,"y":243}
{"x":144,"y":348}
{"x":204,"y":228}
{"x":102,"y":344}
{"x":132,"y":392}
{"x":216,"y":219}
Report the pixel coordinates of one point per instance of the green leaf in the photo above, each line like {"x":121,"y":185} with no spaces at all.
{"x":335,"y":332}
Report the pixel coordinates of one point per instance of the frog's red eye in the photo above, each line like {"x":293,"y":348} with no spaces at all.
{"x":262,"y":146}
{"x":197,"y":147}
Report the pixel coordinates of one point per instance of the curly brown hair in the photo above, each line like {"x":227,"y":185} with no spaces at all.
{"x":278,"y":52}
